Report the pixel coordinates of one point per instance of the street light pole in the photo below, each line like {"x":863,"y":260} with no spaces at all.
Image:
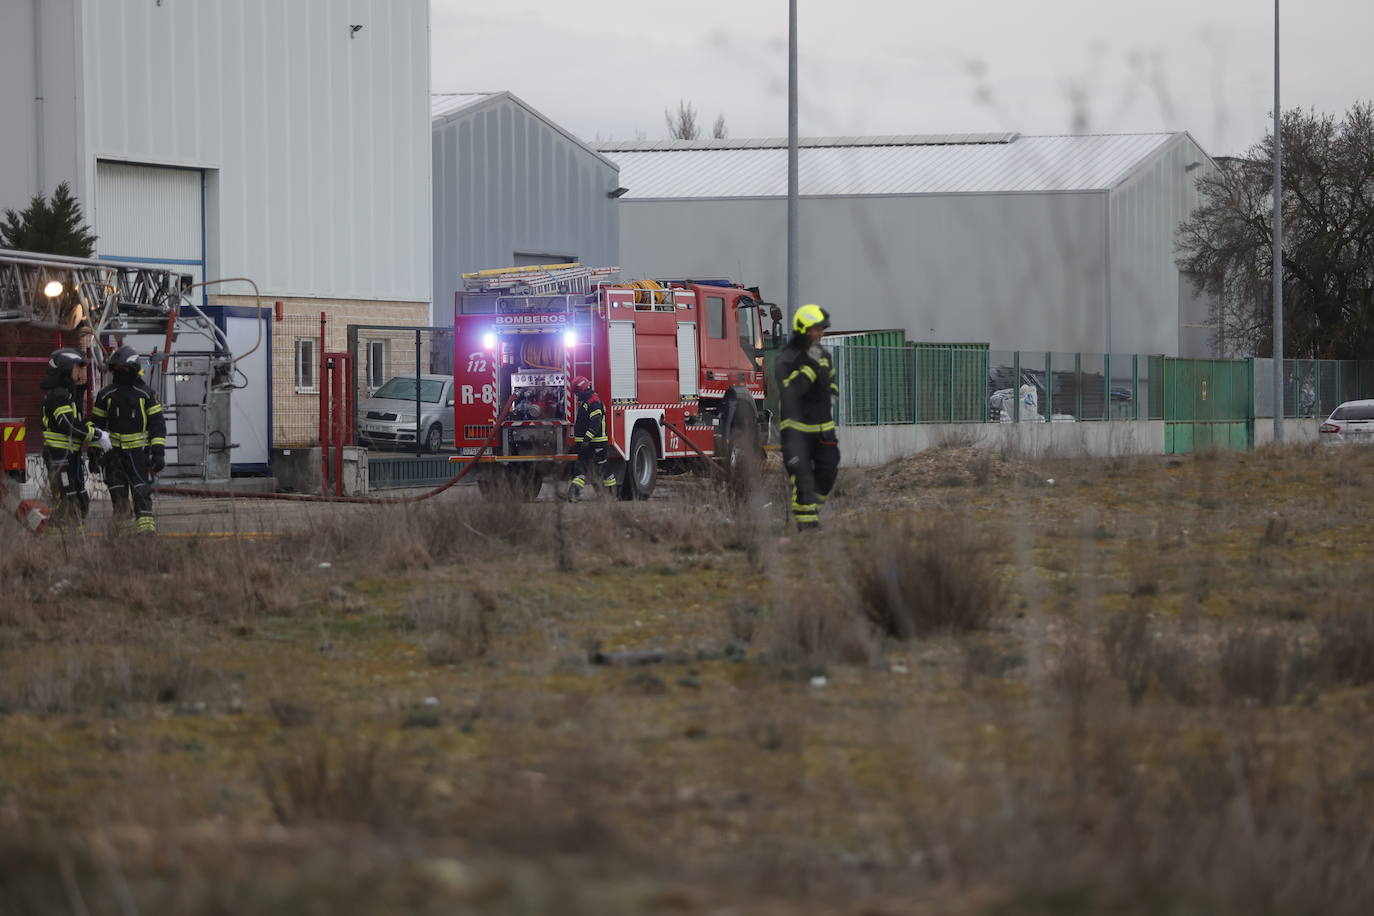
{"x":1278,"y":241}
{"x":793,"y":268}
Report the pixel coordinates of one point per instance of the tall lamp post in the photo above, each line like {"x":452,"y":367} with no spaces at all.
{"x":793,"y":268}
{"x":1278,"y":241}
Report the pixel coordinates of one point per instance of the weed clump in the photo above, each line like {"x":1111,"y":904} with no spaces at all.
{"x":914,"y":580}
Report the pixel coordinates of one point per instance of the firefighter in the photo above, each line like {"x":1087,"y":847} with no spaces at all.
{"x":129,"y":411}
{"x":589,"y":435}
{"x":810,"y":446}
{"x":65,"y":431}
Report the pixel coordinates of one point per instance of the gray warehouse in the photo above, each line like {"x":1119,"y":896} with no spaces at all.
{"x":1041,"y":243}
{"x":511,"y":188}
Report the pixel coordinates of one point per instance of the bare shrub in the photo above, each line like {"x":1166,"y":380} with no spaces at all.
{"x":936,"y":577}
{"x":82,"y":681}
{"x":1143,"y":659}
{"x":809,"y":628}
{"x":1275,"y":533}
{"x":744,"y":620}
{"x":1253,"y":665}
{"x":454,"y":626}
{"x":1344,"y":652}
{"x":1127,"y":644}
{"x":351,"y":784}
{"x":1074,"y":671}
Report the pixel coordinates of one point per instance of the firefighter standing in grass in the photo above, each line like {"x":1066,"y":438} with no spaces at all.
{"x":589,"y":435}
{"x":810,"y":446}
{"x":130,"y":412}
{"x":65,"y":431}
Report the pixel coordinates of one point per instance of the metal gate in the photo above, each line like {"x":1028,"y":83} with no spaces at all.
{"x":403,"y":402}
{"x":1208,"y":403}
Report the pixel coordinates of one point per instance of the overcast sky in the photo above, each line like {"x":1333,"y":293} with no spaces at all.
{"x":607,"y":68}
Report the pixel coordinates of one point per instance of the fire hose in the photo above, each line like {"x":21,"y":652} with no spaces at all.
{"x":471,"y":462}
{"x":725,"y":475}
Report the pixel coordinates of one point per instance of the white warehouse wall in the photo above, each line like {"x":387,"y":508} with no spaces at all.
{"x":313,"y":142}
{"x":1147,"y":208}
{"x":1016,"y":270}
{"x":37,"y":57}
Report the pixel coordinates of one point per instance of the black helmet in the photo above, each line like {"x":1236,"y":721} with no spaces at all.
{"x":125,"y":359}
{"x":64,"y":360}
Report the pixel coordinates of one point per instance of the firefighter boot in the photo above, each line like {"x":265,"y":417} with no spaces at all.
{"x":574,"y":491}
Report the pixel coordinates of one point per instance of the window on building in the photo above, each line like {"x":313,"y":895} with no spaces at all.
{"x":307,"y":373}
{"x":715,"y":317}
{"x":376,"y":364}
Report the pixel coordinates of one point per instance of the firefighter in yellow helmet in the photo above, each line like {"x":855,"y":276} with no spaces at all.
{"x":810,"y":447}
{"x":65,"y":432}
{"x":129,"y":411}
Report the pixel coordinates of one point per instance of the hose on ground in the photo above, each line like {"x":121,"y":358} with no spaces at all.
{"x":724,"y":474}
{"x":471,"y":462}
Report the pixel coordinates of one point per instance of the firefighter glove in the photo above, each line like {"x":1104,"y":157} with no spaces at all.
{"x":103,"y":441}
{"x":158,"y":461}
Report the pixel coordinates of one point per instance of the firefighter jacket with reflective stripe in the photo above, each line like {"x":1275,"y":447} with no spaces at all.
{"x":65,"y":428}
{"x":590,"y":426}
{"x":131,"y":414}
{"x":807,"y":384}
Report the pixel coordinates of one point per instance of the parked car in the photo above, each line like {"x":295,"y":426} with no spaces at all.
{"x":1351,"y":422}
{"x":388,"y":417}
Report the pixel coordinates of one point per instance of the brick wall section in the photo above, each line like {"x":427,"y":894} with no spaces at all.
{"x":295,"y":413}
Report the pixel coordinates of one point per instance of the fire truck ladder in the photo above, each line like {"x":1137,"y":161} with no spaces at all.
{"x":584,"y":352}
{"x":539,"y":280}
{"x":108,"y":297}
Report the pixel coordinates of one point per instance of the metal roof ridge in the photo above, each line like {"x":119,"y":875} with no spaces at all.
{"x":966,"y":139}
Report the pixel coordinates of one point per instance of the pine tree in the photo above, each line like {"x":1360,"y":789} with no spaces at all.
{"x":49,"y":227}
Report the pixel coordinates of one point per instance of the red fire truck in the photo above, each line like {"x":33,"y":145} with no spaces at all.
{"x":679,"y":364}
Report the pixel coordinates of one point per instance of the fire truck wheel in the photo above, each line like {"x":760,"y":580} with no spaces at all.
{"x":641,"y":466}
{"x":744,"y":456}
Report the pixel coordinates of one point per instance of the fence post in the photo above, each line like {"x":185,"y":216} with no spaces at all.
{"x":418,"y":447}
{"x":1016,"y":387}
{"x":1049,"y":387}
{"x":322,"y":393}
{"x":914,"y":359}
{"x":1078,"y":385}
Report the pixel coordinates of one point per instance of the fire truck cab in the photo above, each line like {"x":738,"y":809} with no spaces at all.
{"x":678,"y":363}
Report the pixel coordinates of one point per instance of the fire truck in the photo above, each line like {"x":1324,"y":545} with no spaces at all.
{"x":678,"y":362}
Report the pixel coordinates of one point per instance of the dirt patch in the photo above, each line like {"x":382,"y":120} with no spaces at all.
{"x":956,"y":466}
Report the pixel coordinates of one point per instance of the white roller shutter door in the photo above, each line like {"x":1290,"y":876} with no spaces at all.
{"x":623,"y":364}
{"x":150,"y":213}
{"x":687,"y":370}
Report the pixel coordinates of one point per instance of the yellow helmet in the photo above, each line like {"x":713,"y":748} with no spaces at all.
{"x":808,"y":317}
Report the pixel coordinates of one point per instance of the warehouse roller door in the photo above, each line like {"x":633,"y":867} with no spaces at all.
{"x":151,"y":214}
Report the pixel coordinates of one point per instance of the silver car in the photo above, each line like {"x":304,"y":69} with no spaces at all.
{"x":388,"y":417}
{"x":1353,"y":421}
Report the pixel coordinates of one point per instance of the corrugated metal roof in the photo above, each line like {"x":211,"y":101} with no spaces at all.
{"x":443,"y":104}
{"x":859,"y":166}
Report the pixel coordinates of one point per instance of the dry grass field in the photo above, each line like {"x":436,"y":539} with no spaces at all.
{"x":1144,"y":688}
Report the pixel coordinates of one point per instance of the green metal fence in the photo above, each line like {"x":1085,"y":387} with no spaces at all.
{"x":1314,"y":387}
{"x":903,"y":383}
{"x":1208,"y":403}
